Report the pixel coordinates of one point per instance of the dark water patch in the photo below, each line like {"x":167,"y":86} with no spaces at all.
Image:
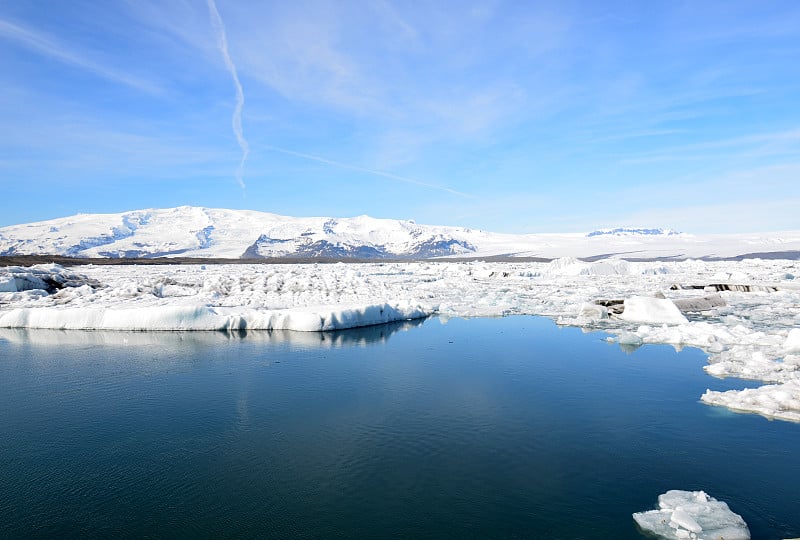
{"x":486,"y":428}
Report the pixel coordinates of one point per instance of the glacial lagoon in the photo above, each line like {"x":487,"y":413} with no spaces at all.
{"x":464,"y":428}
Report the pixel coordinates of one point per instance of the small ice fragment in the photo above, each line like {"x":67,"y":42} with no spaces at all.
{"x":590,"y":311}
{"x":628,"y":338}
{"x":680,"y":517}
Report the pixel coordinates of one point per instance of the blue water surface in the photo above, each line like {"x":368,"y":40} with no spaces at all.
{"x":480,"y":428}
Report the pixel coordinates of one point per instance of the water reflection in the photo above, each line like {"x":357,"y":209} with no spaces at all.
{"x":353,"y":337}
{"x":494,"y":428}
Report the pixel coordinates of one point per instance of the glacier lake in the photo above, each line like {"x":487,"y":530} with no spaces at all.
{"x":467,"y":428}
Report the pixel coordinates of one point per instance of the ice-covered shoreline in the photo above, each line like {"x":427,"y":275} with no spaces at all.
{"x":751,"y":332}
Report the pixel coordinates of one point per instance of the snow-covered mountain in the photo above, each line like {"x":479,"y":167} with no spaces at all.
{"x":205,"y":232}
{"x":218,"y":233}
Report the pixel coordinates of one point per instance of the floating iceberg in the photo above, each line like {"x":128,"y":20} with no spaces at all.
{"x":693,"y":515}
{"x":310,"y":319}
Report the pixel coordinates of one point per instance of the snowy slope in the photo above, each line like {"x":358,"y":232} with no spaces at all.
{"x":218,"y":233}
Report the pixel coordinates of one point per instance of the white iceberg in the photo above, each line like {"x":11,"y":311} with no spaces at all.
{"x":168,"y":317}
{"x":694,"y":515}
{"x":649,"y":310}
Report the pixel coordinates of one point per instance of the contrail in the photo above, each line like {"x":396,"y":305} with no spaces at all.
{"x":222,"y":43}
{"x":368,"y":171}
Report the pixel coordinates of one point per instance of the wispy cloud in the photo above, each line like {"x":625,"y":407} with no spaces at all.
{"x":73,"y":144}
{"x":730,"y":216}
{"x":222,"y":44}
{"x":505,"y":115}
{"x":777,"y":144}
{"x":741,"y":200}
{"x":47,"y":46}
{"x":368,"y":171}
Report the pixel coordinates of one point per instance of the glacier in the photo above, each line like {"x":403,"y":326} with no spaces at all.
{"x":750,"y":328}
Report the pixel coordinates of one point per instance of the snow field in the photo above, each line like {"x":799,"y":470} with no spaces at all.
{"x":753,"y":335}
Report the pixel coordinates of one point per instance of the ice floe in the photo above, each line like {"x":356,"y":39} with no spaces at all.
{"x":780,"y":401}
{"x":196,"y":317}
{"x":694,"y":515}
{"x":750,"y":331}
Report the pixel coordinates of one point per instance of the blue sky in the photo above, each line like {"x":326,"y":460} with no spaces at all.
{"x":507,"y":116}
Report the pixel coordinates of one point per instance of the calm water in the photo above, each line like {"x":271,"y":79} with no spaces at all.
{"x":483,"y":428}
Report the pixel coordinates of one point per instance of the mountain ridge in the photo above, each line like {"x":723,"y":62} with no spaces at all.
{"x":200,"y":232}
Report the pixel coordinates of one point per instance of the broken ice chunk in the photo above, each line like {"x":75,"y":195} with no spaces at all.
{"x":628,"y":338}
{"x":692,"y":514}
{"x":792,"y":342}
{"x":652,"y":310}
{"x":682,"y":519}
{"x":592,"y":312}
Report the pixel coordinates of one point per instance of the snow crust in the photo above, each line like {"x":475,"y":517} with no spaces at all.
{"x":694,"y":515}
{"x":750,"y":332}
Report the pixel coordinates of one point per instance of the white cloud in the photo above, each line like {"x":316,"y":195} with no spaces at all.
{"x":759,"y":145}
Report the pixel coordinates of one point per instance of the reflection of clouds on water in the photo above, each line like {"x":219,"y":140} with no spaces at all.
{"x":355,"y":337}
